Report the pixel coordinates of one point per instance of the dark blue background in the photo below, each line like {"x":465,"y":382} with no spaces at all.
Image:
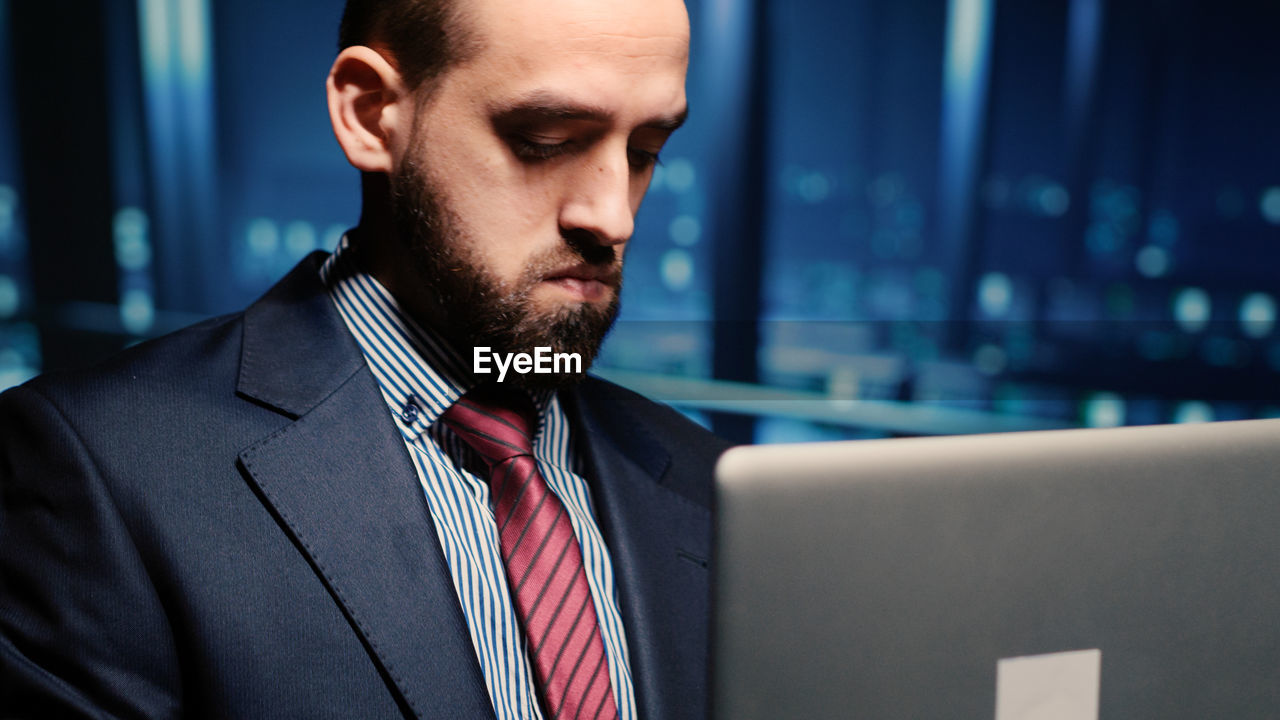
{"x":982,"y":214}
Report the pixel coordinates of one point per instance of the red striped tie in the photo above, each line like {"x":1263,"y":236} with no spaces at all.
{"x":541,"y":553}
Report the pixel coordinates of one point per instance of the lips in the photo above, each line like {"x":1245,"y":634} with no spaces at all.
{"x":582,"y":273}
{"x":589,"y":283}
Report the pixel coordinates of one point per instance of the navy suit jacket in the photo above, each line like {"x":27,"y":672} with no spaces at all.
{"x":226,"y":523}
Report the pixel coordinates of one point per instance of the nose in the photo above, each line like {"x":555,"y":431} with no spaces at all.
{"x":598,"y":200}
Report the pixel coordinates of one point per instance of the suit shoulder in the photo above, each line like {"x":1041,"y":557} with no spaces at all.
{"x":179,"y":366}
{"x":651,"y":430}
{"x":659,"y":419}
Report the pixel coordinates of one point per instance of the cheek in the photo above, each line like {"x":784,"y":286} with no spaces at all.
{"x":517,"y":210}
{"x":517,"y":198}
{"x":509,"y":219}
{"x":496,"y":198}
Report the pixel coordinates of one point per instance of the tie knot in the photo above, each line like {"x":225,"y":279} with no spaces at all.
{"x":497,"y":423}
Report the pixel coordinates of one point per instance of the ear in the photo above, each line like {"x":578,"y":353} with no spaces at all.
{"x":369,"y":108}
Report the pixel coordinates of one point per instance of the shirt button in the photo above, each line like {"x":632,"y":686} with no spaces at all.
{"x":410,"y":413}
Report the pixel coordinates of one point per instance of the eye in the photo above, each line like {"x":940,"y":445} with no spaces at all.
{"x":530,"y":149}
{"x":642,"y":160}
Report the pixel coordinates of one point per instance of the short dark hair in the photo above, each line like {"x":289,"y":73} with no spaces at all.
{"x":424,"y":37}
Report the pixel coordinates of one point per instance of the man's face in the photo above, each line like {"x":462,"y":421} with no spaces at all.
{"x":517,"y":190}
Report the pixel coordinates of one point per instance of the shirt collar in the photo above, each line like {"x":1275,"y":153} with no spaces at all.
{"x":420,"y":374}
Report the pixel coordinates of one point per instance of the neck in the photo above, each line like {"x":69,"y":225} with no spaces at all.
{"x":382,"y":253}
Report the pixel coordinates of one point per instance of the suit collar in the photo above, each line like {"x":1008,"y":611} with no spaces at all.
{"x":658,"y":536}
{"x":296,"y":348}
{"x":340,"y":482}
{"x":605,"y":430}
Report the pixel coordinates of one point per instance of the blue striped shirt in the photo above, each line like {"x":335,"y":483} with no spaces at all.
{"x":420,"y":377}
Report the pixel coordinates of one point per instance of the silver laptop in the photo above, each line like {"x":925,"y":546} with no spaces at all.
{"x":1067,"y":575}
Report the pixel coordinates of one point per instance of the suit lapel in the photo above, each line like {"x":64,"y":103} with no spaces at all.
{"x":341,"y":483}
{"x":659,"y":541}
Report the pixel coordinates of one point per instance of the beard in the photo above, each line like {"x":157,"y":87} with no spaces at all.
{"x":476,"y":309}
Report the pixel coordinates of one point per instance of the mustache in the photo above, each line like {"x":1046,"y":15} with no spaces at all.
{"x":581,"y":255}
{"x":588,"y":248}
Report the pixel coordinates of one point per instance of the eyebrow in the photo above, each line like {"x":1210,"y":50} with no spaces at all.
{"x":547,"y":105}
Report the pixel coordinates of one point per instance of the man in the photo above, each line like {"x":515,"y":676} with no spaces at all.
{"x":298,"y":511}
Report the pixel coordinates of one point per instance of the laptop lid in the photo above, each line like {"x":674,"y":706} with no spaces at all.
{"x":1064,"y":575}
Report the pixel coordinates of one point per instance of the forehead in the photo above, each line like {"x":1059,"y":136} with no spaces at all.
{"x":659,"y":26}
{"x":623,"y":46}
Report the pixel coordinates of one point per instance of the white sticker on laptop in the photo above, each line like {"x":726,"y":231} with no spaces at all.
{"x":1059,"y":686}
